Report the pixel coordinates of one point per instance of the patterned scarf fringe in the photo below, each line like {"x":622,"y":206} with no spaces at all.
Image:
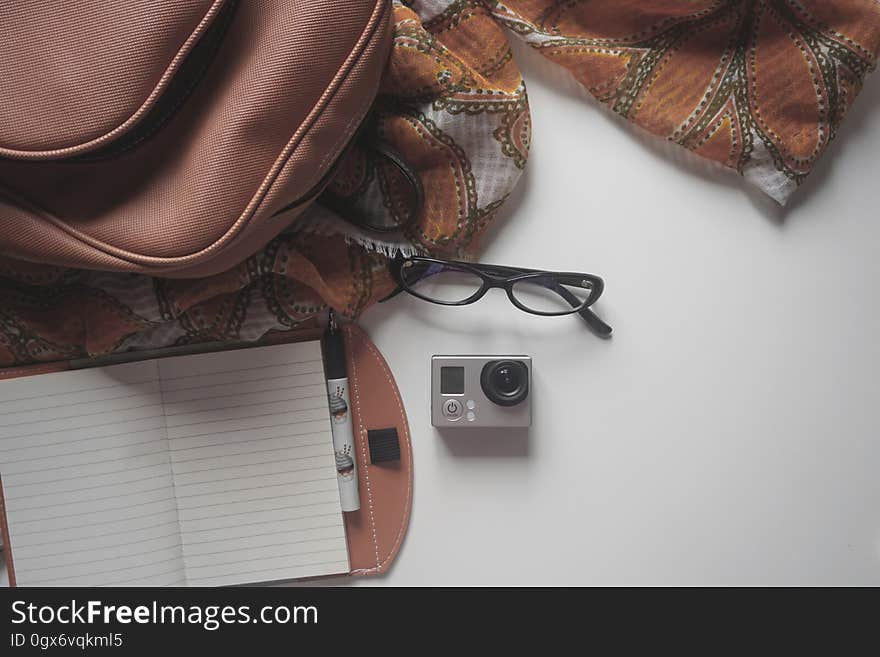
{"x":318,"y":220}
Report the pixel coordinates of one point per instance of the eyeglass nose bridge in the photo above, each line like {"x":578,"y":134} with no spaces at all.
{"x":488,"y":284}
{"x":493,"y":279}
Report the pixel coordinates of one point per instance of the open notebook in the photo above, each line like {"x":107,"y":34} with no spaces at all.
{"x":209,"y":469}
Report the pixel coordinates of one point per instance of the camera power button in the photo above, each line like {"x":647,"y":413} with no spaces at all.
{"x":452,"y":409}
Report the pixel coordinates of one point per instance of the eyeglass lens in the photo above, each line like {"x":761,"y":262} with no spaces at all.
{"x":442,"y":283}
{"x":547,"y":295}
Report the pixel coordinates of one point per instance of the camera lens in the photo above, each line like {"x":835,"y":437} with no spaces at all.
{"x":505,"y":382}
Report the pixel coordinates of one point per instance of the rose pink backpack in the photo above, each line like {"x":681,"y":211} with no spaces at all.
{"x":175,"y":137}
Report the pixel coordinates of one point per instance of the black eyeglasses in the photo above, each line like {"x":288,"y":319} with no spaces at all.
{"x":451,"y":283}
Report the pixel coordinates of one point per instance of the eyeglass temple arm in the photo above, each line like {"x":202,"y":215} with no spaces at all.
{"x":595,"y":323}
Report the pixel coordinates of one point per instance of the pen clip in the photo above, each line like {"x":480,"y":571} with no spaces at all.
{"x":333,"y":322}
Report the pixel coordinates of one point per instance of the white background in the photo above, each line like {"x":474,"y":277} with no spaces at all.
{"x":729,"y":433}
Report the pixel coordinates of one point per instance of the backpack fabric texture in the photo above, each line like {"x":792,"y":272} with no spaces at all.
{"x":175,"y":138}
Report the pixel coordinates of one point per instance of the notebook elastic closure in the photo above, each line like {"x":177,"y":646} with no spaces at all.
{"x":384,"y":445}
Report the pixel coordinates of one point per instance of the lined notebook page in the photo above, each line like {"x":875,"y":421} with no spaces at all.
{"x":87,"y":479}
{"x":254,"y":473}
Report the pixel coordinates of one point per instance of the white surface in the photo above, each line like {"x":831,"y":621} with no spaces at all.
{"x":730,"y":431}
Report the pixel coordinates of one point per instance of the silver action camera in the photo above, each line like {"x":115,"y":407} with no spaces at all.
{"x":481,"y":391}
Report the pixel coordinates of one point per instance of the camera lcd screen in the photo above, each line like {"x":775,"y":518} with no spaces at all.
{"x":452,"y":380}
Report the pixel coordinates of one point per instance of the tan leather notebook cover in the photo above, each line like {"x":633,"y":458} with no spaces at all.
{"x":375,"y":532}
